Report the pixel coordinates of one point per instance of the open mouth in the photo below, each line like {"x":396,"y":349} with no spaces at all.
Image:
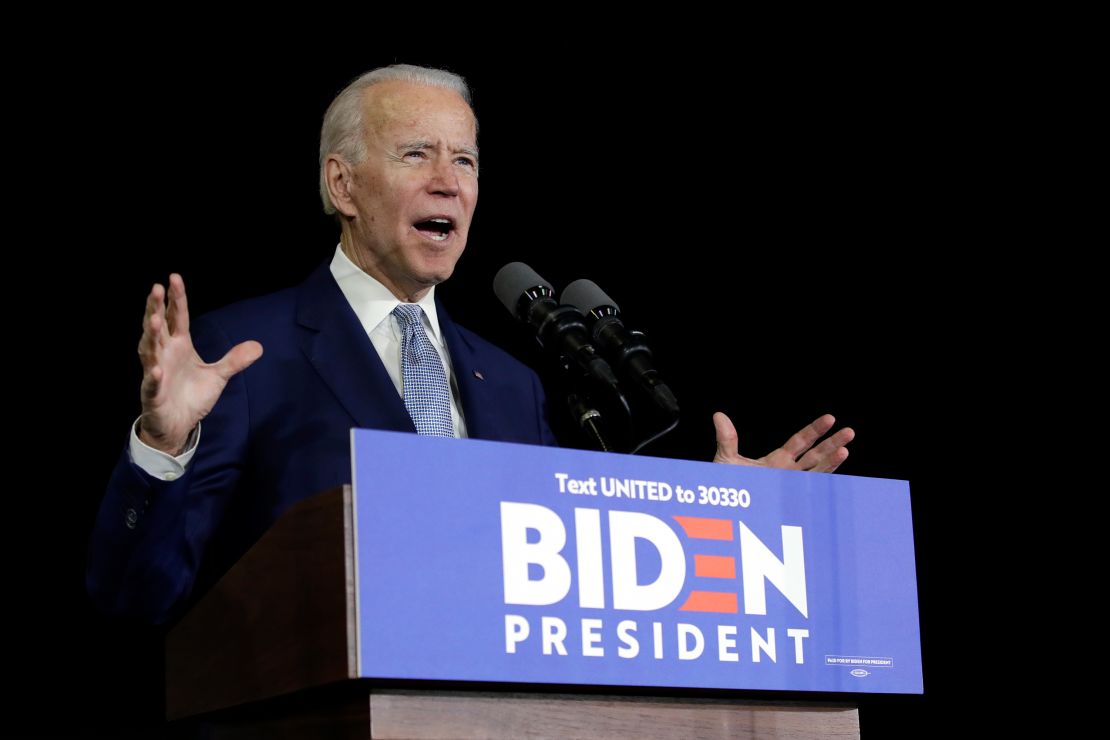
{"x":437,"y":228}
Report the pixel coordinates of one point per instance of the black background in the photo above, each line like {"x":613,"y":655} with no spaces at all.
{"x":795,"y":231}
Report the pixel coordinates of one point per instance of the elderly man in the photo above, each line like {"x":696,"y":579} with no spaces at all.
{"x":230,"y":436}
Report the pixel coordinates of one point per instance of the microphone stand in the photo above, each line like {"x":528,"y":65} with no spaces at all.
{"x":591,"y":403}
{"x":589,"y":418}
{"x":597,"y":409}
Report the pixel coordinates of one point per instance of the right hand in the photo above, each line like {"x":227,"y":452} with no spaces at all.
{"x":179,"y":388}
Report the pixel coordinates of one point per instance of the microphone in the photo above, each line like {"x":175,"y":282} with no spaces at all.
{"x":559,"y":329}
{"x":626,"y":349}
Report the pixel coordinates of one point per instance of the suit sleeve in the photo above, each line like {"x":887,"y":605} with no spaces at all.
{"x":149,"y":534}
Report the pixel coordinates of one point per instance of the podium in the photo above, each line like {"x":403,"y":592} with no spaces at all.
{"x":270,"y":651}
{"x":467,"y":588}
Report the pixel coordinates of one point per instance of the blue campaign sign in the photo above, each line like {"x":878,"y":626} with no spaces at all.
{"x":485,"y":561}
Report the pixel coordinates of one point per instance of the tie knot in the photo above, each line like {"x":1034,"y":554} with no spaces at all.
{"x":408,"y":314}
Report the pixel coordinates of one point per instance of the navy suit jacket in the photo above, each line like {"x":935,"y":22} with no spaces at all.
{"x":280,"y":432}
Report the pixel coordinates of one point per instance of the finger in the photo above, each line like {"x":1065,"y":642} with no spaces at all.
{"x":834,"y":442}
{"x":780,"y":459}
{"x":152,"y":323}
{"x":151,"y":341}
{"x":238,"y":358}
{"x":820,"y":457}
{"x":832,"y":461}
{"x":804,"y":438}
{"x":158,"y":315}
{"x":154,"y":301}
{"x":178,"y":316}
{"x":726,"y":437}
{"x":152,"y":383}
{"x":837,"y":460}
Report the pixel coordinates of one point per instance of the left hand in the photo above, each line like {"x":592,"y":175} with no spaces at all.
{"x":797,"y":454}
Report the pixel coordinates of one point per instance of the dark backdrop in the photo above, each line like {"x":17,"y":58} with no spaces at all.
{"x":790,"y":235}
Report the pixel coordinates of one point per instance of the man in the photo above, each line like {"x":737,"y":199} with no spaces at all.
{"x":399,"y":168}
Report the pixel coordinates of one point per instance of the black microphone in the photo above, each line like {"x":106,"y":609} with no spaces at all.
{"x":560,"y":329}
{"x":627,"y":350}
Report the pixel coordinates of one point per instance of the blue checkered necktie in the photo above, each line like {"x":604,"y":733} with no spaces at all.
{"x":424,"y":384}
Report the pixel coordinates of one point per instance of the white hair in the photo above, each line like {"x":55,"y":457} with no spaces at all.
{"x":342,"y":132}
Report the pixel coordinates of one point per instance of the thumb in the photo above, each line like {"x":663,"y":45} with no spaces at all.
{"x":239,"y":358}
{"x":726,"y":437}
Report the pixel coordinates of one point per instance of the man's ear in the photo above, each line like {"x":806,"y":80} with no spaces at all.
{"x":337,"y":175}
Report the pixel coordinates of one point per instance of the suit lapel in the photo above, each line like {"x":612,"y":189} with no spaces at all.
{"x":336,"y":345}
{"x":474,"y":391}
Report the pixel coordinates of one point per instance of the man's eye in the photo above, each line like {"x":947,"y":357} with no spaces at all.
{"x":467,"y":161}
{"x":416,"y":153}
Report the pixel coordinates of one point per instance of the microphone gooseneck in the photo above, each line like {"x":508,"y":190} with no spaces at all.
{"x":627,"y":350}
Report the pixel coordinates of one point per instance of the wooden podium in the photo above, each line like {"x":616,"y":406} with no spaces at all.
{"x":269,"y":652}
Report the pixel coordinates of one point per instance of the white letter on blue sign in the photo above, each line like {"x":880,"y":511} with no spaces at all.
{"x":591,"y":637}
{"x":788,"y":574}
{"x":554,"y":632}
{"x":766,"y":646}
{"x":798,"y":635}
{"x":517,"y":554}
{"x":625,"y":527}
{"x":624,"y":632}
{"x":587,"y":536}
{"x":726,"y":643}
{"x":516,"y":630}
{"x":685,"y":652}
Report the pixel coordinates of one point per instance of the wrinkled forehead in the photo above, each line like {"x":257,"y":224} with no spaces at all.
{"x":405,"y":109}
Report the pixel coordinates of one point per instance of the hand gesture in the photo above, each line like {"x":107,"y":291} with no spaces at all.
{"x":179,"y":388}
{"x":797,"y":454}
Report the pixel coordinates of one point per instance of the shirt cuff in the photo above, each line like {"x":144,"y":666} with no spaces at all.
{"x":158,"y":464}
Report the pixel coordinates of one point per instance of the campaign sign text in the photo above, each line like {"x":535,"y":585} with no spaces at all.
{"x":484,"y":561}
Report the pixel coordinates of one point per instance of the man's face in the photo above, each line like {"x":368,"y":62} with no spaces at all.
{"x":415,"y":193}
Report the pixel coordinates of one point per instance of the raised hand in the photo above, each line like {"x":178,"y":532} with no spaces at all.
{"x":179,"y":388}
{"x":798,"y":453}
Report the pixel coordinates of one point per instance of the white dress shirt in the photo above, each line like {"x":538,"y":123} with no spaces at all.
{"x":373,"y":304}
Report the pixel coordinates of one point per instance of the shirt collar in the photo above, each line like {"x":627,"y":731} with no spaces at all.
{"x":372,"y":302}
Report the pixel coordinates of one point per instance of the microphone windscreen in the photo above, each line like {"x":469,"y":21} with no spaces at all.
{"x":512,"y":280}
{"x":586,"y":296}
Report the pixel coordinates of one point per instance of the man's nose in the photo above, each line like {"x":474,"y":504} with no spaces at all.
{"x":445,"y":179}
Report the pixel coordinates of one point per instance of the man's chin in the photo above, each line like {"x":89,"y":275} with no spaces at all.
{"x":435,"y":271}
{"x":425,"y":279}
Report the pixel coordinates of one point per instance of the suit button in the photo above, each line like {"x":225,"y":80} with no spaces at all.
{"x":132,"y":518}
